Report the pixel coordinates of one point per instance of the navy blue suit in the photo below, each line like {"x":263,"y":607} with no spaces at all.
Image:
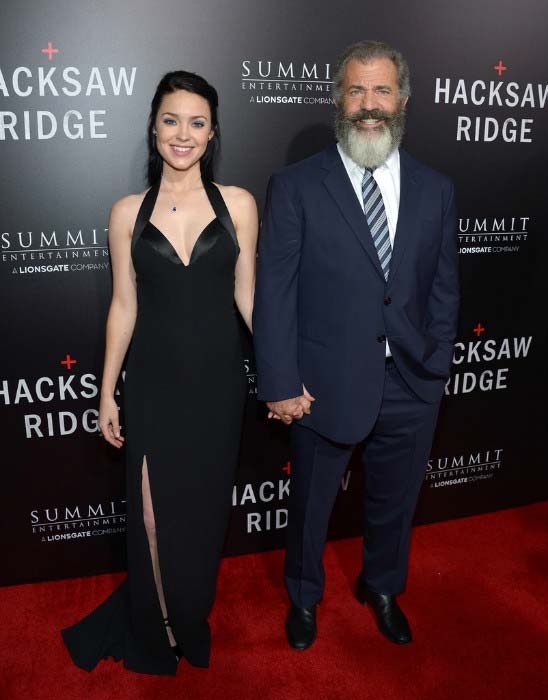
{"x":323,"y":313}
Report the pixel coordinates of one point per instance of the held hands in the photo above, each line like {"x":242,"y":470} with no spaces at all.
{"x":109,"y":424}
{"x":289,"y":410}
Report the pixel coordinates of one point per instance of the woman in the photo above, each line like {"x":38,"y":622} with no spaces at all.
{"x":182,"y":253}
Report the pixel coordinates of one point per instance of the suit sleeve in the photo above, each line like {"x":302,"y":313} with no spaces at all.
{"x":275,"y":308}
{"x":443,"y":302}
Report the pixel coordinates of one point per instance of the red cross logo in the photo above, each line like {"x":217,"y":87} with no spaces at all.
{"x":50,"y":50}
{"x":478,"y":330}
{"x":287,"y":468}
{"x":500,"y":67}
{"x":68,"y":361}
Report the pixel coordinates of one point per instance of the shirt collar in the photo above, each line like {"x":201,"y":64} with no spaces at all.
{"x":391,"y":163}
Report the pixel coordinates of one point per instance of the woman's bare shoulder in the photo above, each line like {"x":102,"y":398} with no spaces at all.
{"x":123,"y":213}
{"x":237,"y":199}
{"x":128,"y":206}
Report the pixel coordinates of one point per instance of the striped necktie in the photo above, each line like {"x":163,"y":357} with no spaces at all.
{"x":375,"y":214}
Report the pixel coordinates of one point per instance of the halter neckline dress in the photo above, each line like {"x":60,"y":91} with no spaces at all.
{"x":185,"y":390}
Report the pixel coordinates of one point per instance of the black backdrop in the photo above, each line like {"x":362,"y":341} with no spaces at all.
{"x":75,"y":85}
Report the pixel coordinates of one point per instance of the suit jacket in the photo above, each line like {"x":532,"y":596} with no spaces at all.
{"x":323,"y":309}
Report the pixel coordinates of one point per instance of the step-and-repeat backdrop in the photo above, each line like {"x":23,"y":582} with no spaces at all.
{"x":75,"y":86}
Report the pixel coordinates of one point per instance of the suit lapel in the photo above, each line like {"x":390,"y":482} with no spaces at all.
{"x":407,"y":212}
{"x":340,"y":188}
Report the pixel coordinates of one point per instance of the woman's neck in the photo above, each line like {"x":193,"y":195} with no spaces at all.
{"x":182,"y":180}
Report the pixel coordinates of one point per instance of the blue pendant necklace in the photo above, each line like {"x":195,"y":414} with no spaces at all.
{"x":173,"y":206}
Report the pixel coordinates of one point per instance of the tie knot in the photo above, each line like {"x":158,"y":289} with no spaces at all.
{"x":367,"y":175}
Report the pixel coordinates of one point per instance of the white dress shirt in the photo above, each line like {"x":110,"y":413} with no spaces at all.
{"x":387,"y":177}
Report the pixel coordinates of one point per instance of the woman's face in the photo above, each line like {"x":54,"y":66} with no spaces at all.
{"x":183,"y":129}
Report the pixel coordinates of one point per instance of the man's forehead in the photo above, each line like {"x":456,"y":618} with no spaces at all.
{"x":372,"y":69}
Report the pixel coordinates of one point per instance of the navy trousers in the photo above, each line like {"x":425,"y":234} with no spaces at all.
{"x":394,"y":457}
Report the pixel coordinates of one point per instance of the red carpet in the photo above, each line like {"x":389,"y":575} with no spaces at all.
{"x":477,"y":602}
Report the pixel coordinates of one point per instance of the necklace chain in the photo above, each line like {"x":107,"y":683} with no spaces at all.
{"x":173,"y":207}
{"x":173,"y":203}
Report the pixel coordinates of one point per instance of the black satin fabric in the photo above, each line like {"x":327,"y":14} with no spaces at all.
{"x":162,"y":245}
{"x":146,"y":230}
{"x":185,"y":352}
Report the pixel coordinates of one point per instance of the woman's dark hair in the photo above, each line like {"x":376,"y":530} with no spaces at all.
{"x":171,"y":82}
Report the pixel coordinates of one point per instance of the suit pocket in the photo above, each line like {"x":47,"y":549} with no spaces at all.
{"x":315,"y":332}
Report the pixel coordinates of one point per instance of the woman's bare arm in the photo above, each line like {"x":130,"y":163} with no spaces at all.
{"x":122,"y":312}
{"x":244,"y":214}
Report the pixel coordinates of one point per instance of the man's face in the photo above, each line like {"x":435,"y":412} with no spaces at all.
{"x":370,"y":114}
{"x":371,"y":87}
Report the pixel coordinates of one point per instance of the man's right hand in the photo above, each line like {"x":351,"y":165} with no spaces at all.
{"x":289,"y":410}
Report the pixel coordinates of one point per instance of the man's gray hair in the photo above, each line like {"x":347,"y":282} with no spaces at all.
{"x":366,"y":51}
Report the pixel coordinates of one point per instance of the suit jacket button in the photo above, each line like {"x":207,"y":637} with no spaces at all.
{"x":387,"y":301}
{"x":381,"y":338}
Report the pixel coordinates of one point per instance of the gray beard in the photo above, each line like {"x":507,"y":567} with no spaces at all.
{"x":366,"y":149}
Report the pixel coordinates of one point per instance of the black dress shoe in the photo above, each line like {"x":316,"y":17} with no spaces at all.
{"x":300,"y":627}
{"x":390,"y":618}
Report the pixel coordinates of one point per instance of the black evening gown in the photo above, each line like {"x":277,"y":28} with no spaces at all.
{"x":185,"y":391}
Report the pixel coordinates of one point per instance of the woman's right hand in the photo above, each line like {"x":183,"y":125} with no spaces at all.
{"x":109,"y":423}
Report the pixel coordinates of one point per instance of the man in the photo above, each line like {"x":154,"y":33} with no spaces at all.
{"x":355,"y":318}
